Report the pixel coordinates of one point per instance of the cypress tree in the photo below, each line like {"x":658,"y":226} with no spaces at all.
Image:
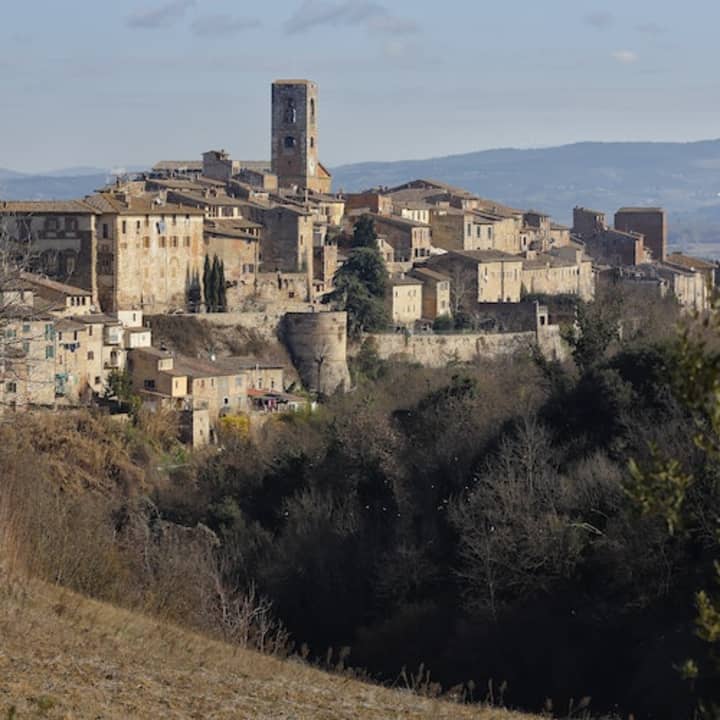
{"x":222,"y":294}
{"x":207,"y":284}
{"x":215,"y":284}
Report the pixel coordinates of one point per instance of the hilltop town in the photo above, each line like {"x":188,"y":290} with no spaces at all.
{"x":268,"y":246}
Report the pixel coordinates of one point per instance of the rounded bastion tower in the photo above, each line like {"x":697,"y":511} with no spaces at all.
{"x":317,"y":343}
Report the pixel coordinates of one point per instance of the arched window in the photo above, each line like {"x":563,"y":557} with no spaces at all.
{"x":312,"y":109}
{"x":290,"y":142}
{"x":290,"y":112}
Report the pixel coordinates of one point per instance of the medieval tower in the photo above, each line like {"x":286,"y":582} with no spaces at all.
{"x":295,"y":136}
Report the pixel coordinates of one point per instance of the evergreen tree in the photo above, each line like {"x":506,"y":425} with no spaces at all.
{"x":222,"y":289}
{"x":364,"y":234}
{"x":215,"y":284}
{"x":360,"y":286}
{"x":207,"y":284}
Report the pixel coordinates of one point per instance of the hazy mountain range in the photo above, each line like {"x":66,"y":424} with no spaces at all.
{"x":682,"y":177}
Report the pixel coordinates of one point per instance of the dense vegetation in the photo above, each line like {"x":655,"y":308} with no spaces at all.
{"x":480,"y":521}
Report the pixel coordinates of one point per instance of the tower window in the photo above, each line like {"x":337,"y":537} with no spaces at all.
{"x":290,"y":112}
{"x":312,"y":142}
{"x":290,"y":142}
{"x":312,"y":110}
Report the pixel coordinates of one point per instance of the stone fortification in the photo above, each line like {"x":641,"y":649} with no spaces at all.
{"x":436,"y":351}
{"x":317,"y":343}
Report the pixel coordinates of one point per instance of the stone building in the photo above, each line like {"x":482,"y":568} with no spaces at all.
{"x":56,"y":238}
{"x":410,"y":240}
{"x":616,"y":248}
{"x":27,"y":360}
{"x":650,"y":222}
{"x":587,"y":222}
{"x":404,"y":301}
{"x":146,"y":251}
{"x":295,"y":136}
{"x":435,"y":292}
{"x":706,"y":268}
{"x":564,"y":272}
{"x":481,"y":275}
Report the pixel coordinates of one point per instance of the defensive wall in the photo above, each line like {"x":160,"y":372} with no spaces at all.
{"x":436,"y":351}
{"x":317,"y":342}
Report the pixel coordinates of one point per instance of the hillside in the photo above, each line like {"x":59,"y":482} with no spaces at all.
{"x":63,"y":656}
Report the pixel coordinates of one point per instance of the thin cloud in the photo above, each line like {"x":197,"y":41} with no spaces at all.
{"x":600,"y":19}
{"x":223,"y":24}
{"x":650,"y":28}
{"x":350,"y":13}
{"x":626,"y":57}
{"x":161,"y":16}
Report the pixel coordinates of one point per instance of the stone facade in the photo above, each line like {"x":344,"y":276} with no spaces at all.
{"x":147,"y":251}
{"x":435,"y":292}
{"x":295,"y":136}
{"x":404,"y":301}
{"x":317,"y":342}
{"x":57,"y":237}
{"x":651,"y":223}
{"x":410,"y":240}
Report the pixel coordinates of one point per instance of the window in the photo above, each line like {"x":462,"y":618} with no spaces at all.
{"x":105,"y":233}
{"x":290,"y":142}
{"x":26,"y":328}
{"x":163,"y":241}
{"x":146,"y":242}
{"x":26,"y":347}
{"x":98,"y":380}
{"x":10,"y":387}
{"x":90,"y":355}
{"x":49,"y":332}
{"x":312,"y":110}
{"x":137,"y":226}
{"x":174,"y":241}
{"x":149,"y":384}
{"x":10,"y":334}
{"x":52,"y":224}
{"x":312,"y":142}
{"x":71,"y":224}
{"x":124,"y":226}
{"x":174,"y":219}
{"x":290,"y":112}
{"x":469,"y":229}
{"x":186,"y":241}
{"x":49,"y":352}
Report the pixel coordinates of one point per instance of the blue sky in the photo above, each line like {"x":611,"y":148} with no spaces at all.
{"x":91,"y":82}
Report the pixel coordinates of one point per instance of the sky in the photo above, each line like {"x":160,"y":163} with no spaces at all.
{"x":118,"y":84}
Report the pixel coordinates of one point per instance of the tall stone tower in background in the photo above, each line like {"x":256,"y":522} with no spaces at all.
{"x":295,"y":136}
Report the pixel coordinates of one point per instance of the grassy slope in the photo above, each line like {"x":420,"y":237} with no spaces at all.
{"x":63,"y":656}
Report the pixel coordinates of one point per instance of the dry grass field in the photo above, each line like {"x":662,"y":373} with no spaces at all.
{"x":64,"y":656}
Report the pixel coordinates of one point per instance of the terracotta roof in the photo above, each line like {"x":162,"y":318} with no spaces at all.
{"x":404,"y":281}
{"x":178,"y":165}
{"x":425,"y":272}
{"x":138,"y":205}
{"x":40,"y":207}
{"x":43,"y":282}
{"x":690,"y":263}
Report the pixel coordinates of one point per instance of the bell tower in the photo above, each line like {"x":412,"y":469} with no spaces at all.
{"x":295,"y":136}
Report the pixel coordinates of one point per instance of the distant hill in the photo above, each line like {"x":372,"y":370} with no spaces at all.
{"x":62,"y":184}
{"x":682,"y":177}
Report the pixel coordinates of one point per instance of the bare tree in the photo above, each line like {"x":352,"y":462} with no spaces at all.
{"x":463,"y":288}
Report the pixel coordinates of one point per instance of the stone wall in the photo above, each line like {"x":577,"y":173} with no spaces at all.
{"x":317,"y":343}
{"x":436,"y":351}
